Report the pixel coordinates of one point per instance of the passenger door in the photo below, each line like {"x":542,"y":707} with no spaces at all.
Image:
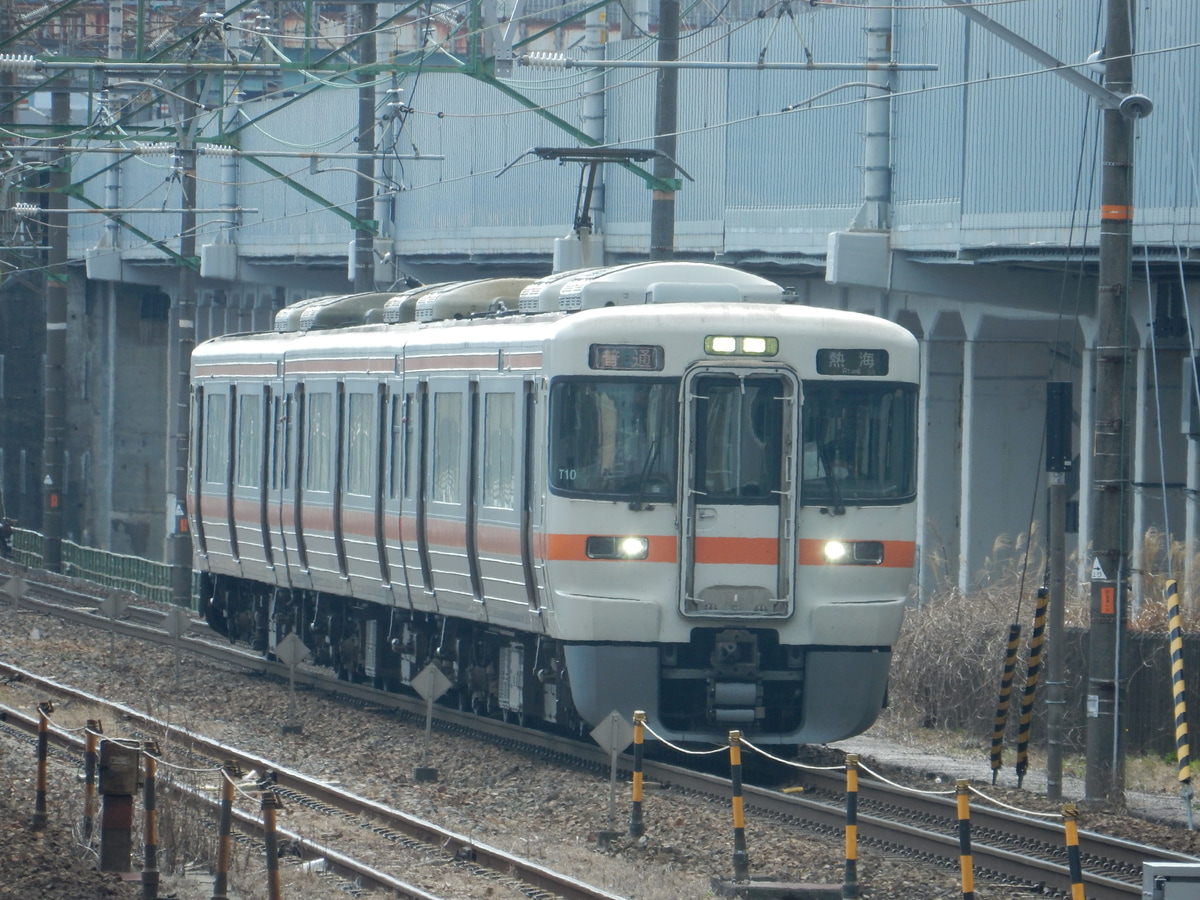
{"x":739,"y":474}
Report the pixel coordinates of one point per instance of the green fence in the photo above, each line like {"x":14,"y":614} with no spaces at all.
{"x":144,"y":577}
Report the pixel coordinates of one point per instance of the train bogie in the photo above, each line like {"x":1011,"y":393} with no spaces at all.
{"x":683,"y":499}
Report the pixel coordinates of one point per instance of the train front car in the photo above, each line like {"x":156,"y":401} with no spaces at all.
{"x":730,"y":515}
{"x":652,"y":487}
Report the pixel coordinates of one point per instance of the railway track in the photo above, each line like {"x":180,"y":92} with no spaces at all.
{"x":1007,"y":847}
{"x":293,"y":787}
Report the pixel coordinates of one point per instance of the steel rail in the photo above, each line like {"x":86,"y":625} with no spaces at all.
{"x":998,"y":832}
{"x":456,"y":845}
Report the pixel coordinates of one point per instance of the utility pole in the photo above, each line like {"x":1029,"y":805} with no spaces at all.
{"x":55,"y":389}
{"x":1115,"y":416}
{"x":666,"y":118}
{"x":1059,"y":404}
{"x":364,"y":239}
{"x":185,"y":324}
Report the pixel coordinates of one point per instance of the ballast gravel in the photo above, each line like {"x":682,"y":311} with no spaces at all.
{"x":526,"y":806}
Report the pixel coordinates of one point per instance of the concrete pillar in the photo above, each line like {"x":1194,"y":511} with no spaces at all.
{"x":1159,"y":469}
{"x":1004,"y":389}
{"x":939,"y":464}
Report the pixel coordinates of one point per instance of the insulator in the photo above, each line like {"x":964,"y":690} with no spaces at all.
{"x":162,"y":39}
{"x":27,"y":17}
{"x":547,"y":60}
{"x":157,"y":148}
{"x":26,"y":210}
{"x":12,"y":63}
{"x":216,"y":150}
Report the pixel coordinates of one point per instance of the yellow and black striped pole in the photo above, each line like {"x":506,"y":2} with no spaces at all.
{"x":229,"y":772}
{"x":270,"y":807}
{"x":741,"y":859}
{"x":850,"y":882}
{"x":91,"y":738}
{"x":636,"y":826}
{"x":1070,"y":814}
{"x":1183,"y":751}
{"x":150,"y":874}
{"x":1006,"y":681}
{"x":1032,"y":677}
{"x":965,"y":863}
{"x":43,"y":753}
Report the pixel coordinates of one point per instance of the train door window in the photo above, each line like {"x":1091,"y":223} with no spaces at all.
{"x":249,"y":440}
{"x":216,"y":434}
{"x":412,"y":459}
{"x":291,"y":412}
{"x":276,"y":427}
{"x":396,"y":448}
{"x":360,"y":439}
{"x":499,"y":481}
{"x":447,"y":447}
{"x":318,"y":443}
{"x":739,"y":438}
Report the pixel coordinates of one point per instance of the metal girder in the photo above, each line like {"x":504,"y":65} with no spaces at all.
{"x":326,"y":204}
{"x":1132,"y":106}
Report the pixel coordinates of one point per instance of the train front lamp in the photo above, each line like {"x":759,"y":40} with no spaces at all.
{"x":853,"y":553}
{"x":836,"y":551}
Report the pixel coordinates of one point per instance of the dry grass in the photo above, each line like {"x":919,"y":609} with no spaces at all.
{"x":948,"y":663}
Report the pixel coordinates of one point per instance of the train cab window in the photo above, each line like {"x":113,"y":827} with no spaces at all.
{"x":216,"y":437}
{"x":318,"y":442}
{"x":447,"y":447}
{"x":498,"y":437}
{"x":859,"y":443}
{"x":739,"y":439}
{"x":614,"y":439}
{"x":360,"y":441}
{"x":249,"y":440}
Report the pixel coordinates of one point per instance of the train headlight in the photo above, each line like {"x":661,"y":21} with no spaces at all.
{"x":853,"y":553}
{"x":740,"y":345}
{"x":618,"y":547}
{"x":836,"y":551}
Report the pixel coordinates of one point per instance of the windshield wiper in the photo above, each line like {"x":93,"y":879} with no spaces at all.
{"x":638,"y":502}
{"x":835,"y":489}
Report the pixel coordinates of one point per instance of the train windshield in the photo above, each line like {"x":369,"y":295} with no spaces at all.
{"x":859,"y":443}
{"x":614,"y":438}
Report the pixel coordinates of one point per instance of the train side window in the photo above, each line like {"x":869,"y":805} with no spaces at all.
{"x":447,"y":447}
{"x":216,"y":448}
{"x":359,"y":443}
{"x":318,"y":471}
{"x":249,"y":440}
{"x":498,"y":470}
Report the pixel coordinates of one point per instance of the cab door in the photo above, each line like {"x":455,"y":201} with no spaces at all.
{"x":738,"y":553}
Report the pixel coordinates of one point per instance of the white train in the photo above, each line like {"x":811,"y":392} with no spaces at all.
{"x":658,"y":486}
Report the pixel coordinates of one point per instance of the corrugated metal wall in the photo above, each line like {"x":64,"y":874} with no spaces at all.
{"x":989,"y":149}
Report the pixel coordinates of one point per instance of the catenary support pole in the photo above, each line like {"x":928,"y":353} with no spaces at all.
{"x":55,"y":388}
{"x":1113,"y":429}
{"x":666,"y":124}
